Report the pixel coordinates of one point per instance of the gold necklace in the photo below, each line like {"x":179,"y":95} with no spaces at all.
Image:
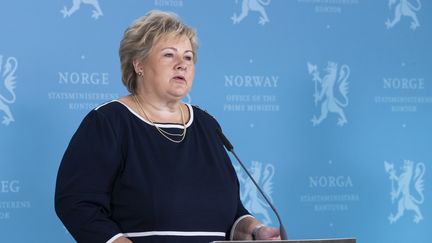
{"x":160,"y":130}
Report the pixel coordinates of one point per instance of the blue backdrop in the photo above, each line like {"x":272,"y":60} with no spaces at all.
{"x":327,"y":101}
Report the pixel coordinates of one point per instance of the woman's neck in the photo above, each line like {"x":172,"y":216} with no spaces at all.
{"x":161,"y":111}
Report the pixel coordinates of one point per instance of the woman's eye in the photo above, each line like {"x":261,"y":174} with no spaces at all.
{"x":168,"y":55}
{"x":188,"y":58}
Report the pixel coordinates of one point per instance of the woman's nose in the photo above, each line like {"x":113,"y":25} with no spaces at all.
{"x":181,"y":65}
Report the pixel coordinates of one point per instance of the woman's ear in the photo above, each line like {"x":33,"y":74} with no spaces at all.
{"x":137,"y":66}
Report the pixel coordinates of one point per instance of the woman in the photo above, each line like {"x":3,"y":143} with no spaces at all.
{"x":146,"y":167}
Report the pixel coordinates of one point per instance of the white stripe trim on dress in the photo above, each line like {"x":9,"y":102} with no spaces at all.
{"x":115,"y":237}
{"x":233,"y":228}
{"x":174,"y":233}
{"x":106,"y":103}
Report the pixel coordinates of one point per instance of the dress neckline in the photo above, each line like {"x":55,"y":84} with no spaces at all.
{"x":162,"y":125}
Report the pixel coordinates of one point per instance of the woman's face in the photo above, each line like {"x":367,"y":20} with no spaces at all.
{"x":169,"y":69}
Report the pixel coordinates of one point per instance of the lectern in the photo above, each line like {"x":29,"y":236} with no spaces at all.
{"x":340,"y":240}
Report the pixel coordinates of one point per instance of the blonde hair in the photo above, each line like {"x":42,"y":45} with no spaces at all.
{"x":140,"y":37}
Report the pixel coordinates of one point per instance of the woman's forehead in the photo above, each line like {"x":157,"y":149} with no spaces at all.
{"x":172,"y":39}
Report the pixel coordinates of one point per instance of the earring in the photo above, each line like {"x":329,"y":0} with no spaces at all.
{"x":139,"y":74}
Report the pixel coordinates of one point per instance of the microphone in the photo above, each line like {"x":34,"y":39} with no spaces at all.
{"x":230,"y":148}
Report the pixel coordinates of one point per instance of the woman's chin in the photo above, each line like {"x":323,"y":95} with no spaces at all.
{"x":179,"y":93}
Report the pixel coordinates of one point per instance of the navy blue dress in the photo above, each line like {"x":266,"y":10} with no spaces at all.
{"x":119,"y":175}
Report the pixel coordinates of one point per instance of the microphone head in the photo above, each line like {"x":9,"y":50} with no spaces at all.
{"x":224,"y":140}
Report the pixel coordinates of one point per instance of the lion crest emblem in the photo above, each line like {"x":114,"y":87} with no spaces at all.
{"x":249,"y":194}
{"x":96,"y":13}
{"x":401,"y":186}
{"x":404,"y":8}
{"x":253,"y":5}
{"x":7,"y":71}
{"x":326,"y":93}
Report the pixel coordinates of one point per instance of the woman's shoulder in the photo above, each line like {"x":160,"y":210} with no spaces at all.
{"x":200,"y":111}
{"x":202,"y":114}
{"x":109,"y":108}
{"x":113,"y":111}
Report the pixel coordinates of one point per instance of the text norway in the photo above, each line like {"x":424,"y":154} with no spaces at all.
{"x":251,"y":81}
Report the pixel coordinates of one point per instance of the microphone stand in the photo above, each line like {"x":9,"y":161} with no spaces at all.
{"x":230,"y":148}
